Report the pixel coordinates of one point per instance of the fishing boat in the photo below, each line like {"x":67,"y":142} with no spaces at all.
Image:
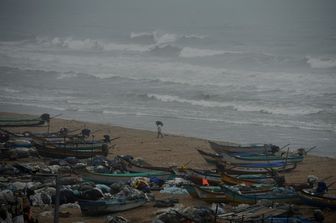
{"x":262,"y":214}
{"x":109,"y":178}
{"x":324,"y":200}
{"x":23,"y":120}
{"x":281,"y":196}
{"x":197,"y":176}
{"x":80,"y":150}
{"x":211,"y":195}
{"x":231,"y":180}
{"x":237,"y":148}
{"x":246,"y":168}
{"x":206,"y":193}
{"x":214,"y":158}
{"x":99,"y":207}
{"x":285,"y":219}
{"x":267,"y":157}
{"x":219,"y":194}
{"x":133,"y":166}
{"x":215,"y":178}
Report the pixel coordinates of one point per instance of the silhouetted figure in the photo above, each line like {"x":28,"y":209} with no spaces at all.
{"x":159,"y":125}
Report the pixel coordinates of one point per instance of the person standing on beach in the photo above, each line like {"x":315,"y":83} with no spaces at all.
{"x":159,"y":125}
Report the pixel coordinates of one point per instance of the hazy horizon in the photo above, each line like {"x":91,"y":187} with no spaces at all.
{"x":243,"y":71}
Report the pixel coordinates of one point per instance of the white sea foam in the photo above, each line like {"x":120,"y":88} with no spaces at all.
{"x":194,"y":52}
{"x":160,"y":37}
{"x":195,"y":36}
{"x":239,"y":106}
{"x":66,"y":75}
{"x":86,"y":101}
{"x":325,"y":62}
{"x":90,"y":44}
{"x":142,"y":34}
{"x":165,"y":50}
{"x":9,"y":90}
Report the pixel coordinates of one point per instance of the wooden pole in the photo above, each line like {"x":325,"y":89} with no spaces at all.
{"x":216,"y":212}
{"x":57,"y":200}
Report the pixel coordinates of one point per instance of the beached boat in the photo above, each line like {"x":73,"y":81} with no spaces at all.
{"x":99,"y":207}
{"x":281,"y":196}
{"x":109,"y":178}
{"x":214,"y":158}
{"x":237,"y":148}
{"x":209,"y":194}
{"x":143,"y":167}
{"x":286,"y":219}
{"x":215,"y":178}
{"x":196,"y":176}
{"x":320,"y":200}
{"x":231,"y":180}
{"x":206,"y":193}
{"x":250,"y":159}
{"x":246,"y":168}
{"x":71,"y":149}
{"x":290,"y":158}
{"x":260,"y":214}
{"x":23,"y":120}
{"x":247,"y":195}
{"x":258,"y":170}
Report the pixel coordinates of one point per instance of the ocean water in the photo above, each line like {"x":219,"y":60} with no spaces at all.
{"x":240,"y":71}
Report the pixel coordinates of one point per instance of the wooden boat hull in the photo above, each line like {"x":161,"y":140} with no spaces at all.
{"x":238,"y":198}
{"x":52,"y":151}
{"x":106,"y":178}
{"x":225,"y":158}
{"x":318,"y":201}
{"x":291,"y":158}
{"x":215,"y":160}
{"x":236,"y":148}
{"x":203,"y":193}
{"x":241,"y":160}
{"x":197,"y":176}
{"x":293,"y":219}
{"x":210,"y":196}
{"x":230,"y":180}
{"x":131,"y":166}
{"x":20,"y":121}
{"x":99,"y":207}
{"x":220,"y":194}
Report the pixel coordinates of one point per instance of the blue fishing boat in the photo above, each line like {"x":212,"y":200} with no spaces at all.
{"x":99,"y":207}
{"x":312,"y":198}
{"x":238,"y":148}
{"x":246,"y":168}
{"x":279,"y":196}
{"x":109,"y":178}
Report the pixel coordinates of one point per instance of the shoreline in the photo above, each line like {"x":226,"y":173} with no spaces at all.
{"x":172,"y":150}
{"x":168,"y":151}
{"x":166,"y":128}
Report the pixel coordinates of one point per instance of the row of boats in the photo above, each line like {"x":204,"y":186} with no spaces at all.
{"x":241,"y":174}
{"x":57,"y":144}
{"x":232,"y":169}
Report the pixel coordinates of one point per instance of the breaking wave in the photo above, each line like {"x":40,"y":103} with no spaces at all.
{"x":322,"y":63}
{"x":89,"y":44}
{"x":238,"y":106}
{"x":194,"y":52}
{"x":9,"y":90}
{"x":159,"y":37}
{"x":165,"y":50}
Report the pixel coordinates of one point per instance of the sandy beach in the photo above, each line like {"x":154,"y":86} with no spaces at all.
{"x":172,"y":150}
